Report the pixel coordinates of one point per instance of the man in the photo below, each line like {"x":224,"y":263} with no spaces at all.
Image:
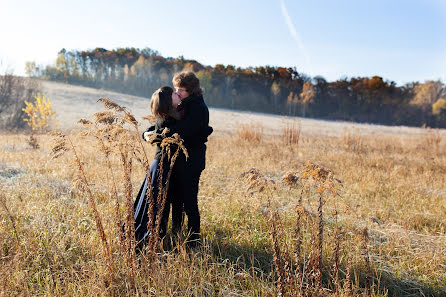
{"x":194,"y":129}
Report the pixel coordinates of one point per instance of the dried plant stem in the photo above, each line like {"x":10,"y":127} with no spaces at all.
{"x":107,"y":252}
{"x":114,"y":192}
{"x":129,"y":225}
{"x":277,"y":255}
{"x":348,"y":288}
{"x":320,"y":241}
{"x":12,"y":219}
{"x":146,"y":159}
{"x":297,"y":230}
{"x":336,"y":256}
{"x":149,"y":192}
{"x":290,"y":279}
{"x":365,"y":253}
{"x":163,"y":197}
{"x":298,"y":281}
{"x":291,"y":133}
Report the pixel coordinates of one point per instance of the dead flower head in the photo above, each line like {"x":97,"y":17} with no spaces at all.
{"x":104,"y":118}
{"x":257,"y":180}
{"x":316,"y":172}
{"x":84,"y":122}
{"x":110,"y":104}
{"x":291,"y":178}
{"x":60,"y":145}
{"x":175,"y":140}
{"x":320,"y":177}
{"x":129,"y":118}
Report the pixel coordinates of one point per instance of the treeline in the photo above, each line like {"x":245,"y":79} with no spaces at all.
{"x":264,"y":89}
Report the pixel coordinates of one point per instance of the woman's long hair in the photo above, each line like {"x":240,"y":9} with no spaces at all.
{"x":161,"y":102}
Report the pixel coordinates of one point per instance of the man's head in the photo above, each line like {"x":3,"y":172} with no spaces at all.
{"x":187,"y":84}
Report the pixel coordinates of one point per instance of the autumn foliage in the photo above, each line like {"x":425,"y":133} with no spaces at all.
{"x":39,"y":113}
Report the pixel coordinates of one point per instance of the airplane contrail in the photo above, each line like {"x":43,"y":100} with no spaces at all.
{"x":294,"y":33}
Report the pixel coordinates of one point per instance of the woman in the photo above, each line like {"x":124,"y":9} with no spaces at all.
{"x":163,"y":105}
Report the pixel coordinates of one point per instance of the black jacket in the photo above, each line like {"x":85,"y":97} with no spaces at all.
{"x":158,"y":128}
{"x":194,"y":129}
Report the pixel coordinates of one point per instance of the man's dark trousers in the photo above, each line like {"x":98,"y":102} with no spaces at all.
{"x":188,"y":178}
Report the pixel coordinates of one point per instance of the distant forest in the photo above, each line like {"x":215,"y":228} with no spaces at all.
{"x":266,"y":89}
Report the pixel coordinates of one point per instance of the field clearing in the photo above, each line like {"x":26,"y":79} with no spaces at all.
{"x":74,"y":102}
{"x":387,"y":224}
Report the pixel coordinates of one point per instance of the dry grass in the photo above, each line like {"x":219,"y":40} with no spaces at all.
{"x":293,"y":230}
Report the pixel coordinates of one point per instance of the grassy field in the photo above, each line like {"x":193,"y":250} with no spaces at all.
{"x":364,"y":215}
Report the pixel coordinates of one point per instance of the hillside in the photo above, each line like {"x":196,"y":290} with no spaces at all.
{"x":74,"y":102}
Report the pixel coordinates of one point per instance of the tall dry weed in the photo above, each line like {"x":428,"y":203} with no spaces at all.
{"x":112,"y":130}
{"x":167,"y":145}
{"x":294,"y":277}
{"x":291,"y":133}
{"x":11,"y":217}
{"x":353,"y":141}
{"x":250,"y":132}
{"x":63,"y":144}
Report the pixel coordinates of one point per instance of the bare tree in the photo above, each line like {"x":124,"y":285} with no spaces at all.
{"x":14,"y":90}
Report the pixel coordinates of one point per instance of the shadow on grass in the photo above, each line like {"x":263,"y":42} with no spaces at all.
{"x":249,"y":256}
{"x":258,"y":258}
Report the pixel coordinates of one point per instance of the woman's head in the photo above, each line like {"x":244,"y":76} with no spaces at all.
{"x":187,"y":83}
{"x":162,"y":101}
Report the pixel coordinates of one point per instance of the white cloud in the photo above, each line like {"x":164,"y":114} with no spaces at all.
{"x":294,"y":33}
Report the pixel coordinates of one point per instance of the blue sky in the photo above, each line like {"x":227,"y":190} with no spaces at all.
{"x":400,"y":40}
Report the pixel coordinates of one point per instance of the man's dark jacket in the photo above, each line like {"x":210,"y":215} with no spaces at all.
{"x":194,"y":129}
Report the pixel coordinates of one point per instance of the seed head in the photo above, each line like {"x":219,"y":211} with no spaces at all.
{"x":129,"y":118}
{"x":59,"y":144}
{"x":86,"y":123}
{"x":104,"y":118}
{"x":110,"y":104}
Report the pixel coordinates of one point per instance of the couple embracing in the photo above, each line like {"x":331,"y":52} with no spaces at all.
{"x":182,"y":111}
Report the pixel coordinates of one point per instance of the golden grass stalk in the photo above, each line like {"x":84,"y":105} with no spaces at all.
{"x":353,"y":141}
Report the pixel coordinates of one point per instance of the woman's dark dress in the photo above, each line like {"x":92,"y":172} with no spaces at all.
{"x":142,"y":201}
